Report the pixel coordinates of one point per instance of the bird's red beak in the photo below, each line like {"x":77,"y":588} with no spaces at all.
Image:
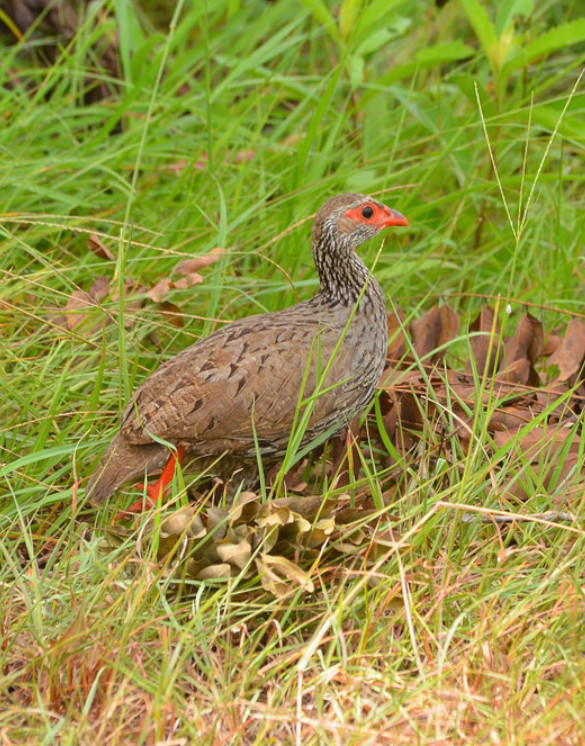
{"x":390,"y":217}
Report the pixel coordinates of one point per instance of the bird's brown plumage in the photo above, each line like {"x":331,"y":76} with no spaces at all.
{"x":250,"y":374}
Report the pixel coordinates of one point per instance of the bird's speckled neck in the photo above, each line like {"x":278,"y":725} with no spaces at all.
{"x":343,"y":276}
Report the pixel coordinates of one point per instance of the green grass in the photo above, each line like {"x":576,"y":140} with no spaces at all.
{"x":229,"y":124}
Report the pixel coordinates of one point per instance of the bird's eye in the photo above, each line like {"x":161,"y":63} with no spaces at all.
{"x":367,"y":212}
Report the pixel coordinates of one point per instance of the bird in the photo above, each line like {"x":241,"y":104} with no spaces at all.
{"x":237,"y":393}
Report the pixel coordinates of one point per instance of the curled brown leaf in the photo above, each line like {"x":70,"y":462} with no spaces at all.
{"x":95,"y":244}
{"x":188,"y":266}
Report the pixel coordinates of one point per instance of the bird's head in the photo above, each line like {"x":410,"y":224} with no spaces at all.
{"x":349,"y":220}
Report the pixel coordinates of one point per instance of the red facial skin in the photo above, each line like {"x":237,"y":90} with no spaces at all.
{"x":381,"y":217}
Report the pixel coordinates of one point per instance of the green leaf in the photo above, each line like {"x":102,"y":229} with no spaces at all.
{"x":555,"y":39}
{"x":481,"y":24}
{"x":355,"y":67}
{"x":349,"y":16}
{"x":322,"y":15}
{"x":548,"y":117}
{"x":360,"y":180}
{"x":364,"y":23}
{"x":442,"y":53}
{"x":62,"y":451}
{"x":378,"y":14}
{"x":467,"y":85}
{"x":424,"y":59}
{"x":508,"y":10}
{"x":374,"y":41}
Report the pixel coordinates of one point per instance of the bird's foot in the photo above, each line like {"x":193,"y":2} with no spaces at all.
{"x":152,"y":493}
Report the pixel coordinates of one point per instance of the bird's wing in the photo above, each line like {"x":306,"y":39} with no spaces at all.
{"x":251,"y":370}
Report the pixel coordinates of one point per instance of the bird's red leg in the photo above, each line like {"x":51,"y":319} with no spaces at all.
{"x":154,"y":491}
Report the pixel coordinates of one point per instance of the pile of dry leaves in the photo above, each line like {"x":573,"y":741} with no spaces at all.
{"x":528,"y":388}
{"x":277,"y":540}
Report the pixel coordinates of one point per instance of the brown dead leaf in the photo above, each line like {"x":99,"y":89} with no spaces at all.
{"x":509,"y":418}
{"x":188,"y":281}
{"x":552,"y":397}
{"x":436,"y":328}
{"x":133,"y":295}
{"x":526,"y":342}
{"x":346,"y":455}
{"x":409,"y":413}
{"x":450,"y":324}
{"x":395,"y":378}
{"x":551,"y":344}
{"x":81,"y":306}
{"x":521,"y":351}
{"x":189,"y":266}
{"x":570,"y":356}
{"x":158,"y":291}
{"x":100,"y":289}
{"x":77,"y":311}
{"x":552,"y":455}
{"x":390,"y":419}
{"x":172,"y":313}
{"x":514,"y":396}
{"x":245,"y":156}
{"x":517,"y":372}
{"x":177,"y":166}
{"x":425,"y":332}
{"x":241,"y":156}
{"x":484,"y":346}
{"x":95,"y":244}
{"x":396,"y":336}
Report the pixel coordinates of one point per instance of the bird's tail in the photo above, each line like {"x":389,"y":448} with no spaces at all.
{"x":122,"y":462}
